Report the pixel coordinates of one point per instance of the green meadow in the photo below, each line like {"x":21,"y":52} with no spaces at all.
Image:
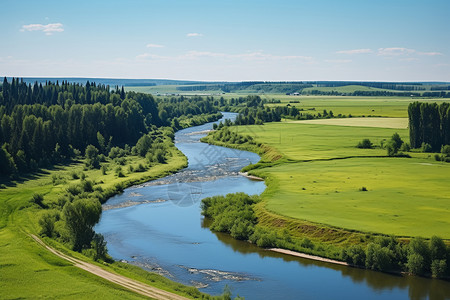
{"x":28,"y":271}
{"x":321,"y":177}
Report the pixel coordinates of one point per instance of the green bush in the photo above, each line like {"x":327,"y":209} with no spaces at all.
{"x":365,"y":144}
{"x":426,"y":148}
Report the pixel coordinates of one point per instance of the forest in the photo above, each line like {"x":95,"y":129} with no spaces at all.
{"x":429,"y":123}
{"x":45,"y":124}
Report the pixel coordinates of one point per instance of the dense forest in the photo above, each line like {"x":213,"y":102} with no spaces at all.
{"x":44,"y":124}
{"x":429,"y":123}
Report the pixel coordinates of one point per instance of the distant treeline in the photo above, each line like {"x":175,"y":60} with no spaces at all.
{"x":256,"y":86}
{"x":400,"y":86}
{"x":429,"y":123}
{"x":440,"y":94}
{"x":43,"y":124}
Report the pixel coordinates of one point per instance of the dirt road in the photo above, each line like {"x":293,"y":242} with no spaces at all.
{"x":128,"y":283}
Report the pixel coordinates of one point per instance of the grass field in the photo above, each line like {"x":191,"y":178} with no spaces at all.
{"x":29,"y":271}
{"x":299,"y":141}
{"x":405,"y":197}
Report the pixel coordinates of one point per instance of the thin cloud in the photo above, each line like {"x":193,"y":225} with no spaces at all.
{"x":430,"y":53}
{"x":339,"y":61}
{"x":48,"y":29}
{"x":355,"y":51}
{"x":396,"y":51}
{"x":250,"y":56}
{"x":194,"y":34}
{"x":258,"y":55}
{"x":146,"y":56}
{"x":154,"y":46}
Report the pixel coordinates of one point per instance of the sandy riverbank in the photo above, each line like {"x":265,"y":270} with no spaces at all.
{"x":313,"y":257}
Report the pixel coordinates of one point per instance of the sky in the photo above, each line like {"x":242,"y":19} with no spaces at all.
{"x":228,"y":40}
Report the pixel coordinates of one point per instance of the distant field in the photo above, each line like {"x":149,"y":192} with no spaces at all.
{"x":405,"y":197}
{"x":399,"y":123}
{"x":356,"y":106}
{"x":307,"y":142}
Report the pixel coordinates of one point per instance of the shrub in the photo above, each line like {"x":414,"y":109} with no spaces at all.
{"x":38,"y":199}
{"x":365,"y":144}
{"x":426,"y":148}
{"x":47,"y":222}
{"x":438,"y":268}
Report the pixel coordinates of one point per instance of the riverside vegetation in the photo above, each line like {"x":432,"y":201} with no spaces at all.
{"x":312,"y":205}
{"x":66,"y":148}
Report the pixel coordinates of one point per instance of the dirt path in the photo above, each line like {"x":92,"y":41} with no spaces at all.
{"x":313,"y":257}
{"x":133,"y":285}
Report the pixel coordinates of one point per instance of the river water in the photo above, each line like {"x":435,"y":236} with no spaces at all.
{"x":158,"y":226}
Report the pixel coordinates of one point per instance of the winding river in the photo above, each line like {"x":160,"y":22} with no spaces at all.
{"x":158,"y":226}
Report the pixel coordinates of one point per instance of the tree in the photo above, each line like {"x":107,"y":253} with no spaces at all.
{"x":98,"y":244}
{"x":394,"y":144}
{"x":92,"y":158}
{"x":80,"y":217}
{"x":416,"y":264}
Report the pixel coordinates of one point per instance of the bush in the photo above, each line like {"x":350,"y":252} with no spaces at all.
{"x":98,"y":244}
{"x":426,"y":148}
{"x":365,"y":144}
{"x":405,"y":147}
{"x":438,"y":268}
{"x":38,"y":199}
{"x":416,"y":264}
{"x":92,"y":157}
{"x":47,"y":222}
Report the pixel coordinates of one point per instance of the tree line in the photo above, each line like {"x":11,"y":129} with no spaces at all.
{"x":234,"y":214}
{"x":429,"y":123}
{"x":41,"y":125}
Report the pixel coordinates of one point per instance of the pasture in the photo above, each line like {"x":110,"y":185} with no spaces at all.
{"x":299,"y":141}
{"x":404,"y":197}
{"x":324,"y":174}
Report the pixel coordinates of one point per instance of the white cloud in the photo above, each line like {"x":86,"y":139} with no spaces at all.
{"x":48,"y":29}
{"x":154,"y":46}
{"x":430,"y":53}
{"x":146,"y":56}
{"x":194,"y":34}
{"x":355,"y":51}
{"x":396,"y":51}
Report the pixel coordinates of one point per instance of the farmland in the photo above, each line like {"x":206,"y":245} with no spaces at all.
{"x":315,"y":184}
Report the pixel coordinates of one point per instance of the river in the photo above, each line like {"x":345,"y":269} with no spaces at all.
{"x":158,"y":226}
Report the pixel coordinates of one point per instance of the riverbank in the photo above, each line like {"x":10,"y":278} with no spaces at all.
{"x":21,"y":257}
{"x":296,"y":187}
{"x":307,"y":256}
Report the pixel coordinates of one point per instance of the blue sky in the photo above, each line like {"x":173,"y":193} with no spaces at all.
{"x":380,"y":40}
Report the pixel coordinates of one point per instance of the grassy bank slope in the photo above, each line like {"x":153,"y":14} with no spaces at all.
{"x":29,"y":271}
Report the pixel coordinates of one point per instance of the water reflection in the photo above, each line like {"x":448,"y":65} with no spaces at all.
{"x":417,"y":287}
